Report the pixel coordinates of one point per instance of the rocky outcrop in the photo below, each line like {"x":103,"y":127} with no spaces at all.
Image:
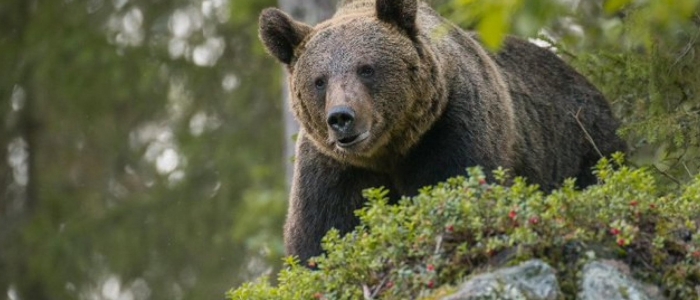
{"x":530,"y":280}
{"x":536,"y":280}
{"x":608,"y":280}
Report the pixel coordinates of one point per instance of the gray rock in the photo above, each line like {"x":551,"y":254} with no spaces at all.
{"x":600,"y":280}
{"x":531,"y":280}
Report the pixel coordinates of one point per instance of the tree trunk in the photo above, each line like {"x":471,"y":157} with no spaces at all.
{"x":310,"y":12}
{"x":18,"y":204}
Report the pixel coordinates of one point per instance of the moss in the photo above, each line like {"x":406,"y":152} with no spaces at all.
{"x":426,"y":244}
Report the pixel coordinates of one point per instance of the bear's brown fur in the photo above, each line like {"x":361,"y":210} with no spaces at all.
{"x":388,"y":93}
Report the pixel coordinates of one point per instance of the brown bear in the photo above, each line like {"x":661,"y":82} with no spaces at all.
{"x":388,"y":93}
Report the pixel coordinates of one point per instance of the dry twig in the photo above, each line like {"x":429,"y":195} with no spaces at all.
{"x":588,"y":136}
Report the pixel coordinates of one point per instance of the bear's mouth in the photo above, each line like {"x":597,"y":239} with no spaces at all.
{"x":349,"y":141}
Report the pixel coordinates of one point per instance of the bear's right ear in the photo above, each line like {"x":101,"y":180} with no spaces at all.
{"x":281,"y":34}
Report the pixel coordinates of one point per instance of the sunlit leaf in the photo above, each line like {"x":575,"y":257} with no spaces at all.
{"x":493,"y":29}
{"x":613,"y":6}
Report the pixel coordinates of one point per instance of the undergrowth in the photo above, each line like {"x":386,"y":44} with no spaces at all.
{"x":425,"y":245}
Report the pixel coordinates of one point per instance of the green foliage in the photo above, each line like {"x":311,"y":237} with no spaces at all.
{"x":95,"y":93}
{"x":656,"y":93}
{"x":495,"y":19}
{"x":464,"y":225}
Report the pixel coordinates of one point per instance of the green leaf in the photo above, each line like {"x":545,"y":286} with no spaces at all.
{"x":493,"y":29}
{"x":613,"y":6}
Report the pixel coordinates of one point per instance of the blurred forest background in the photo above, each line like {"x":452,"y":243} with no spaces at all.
{"x":143,"y":146}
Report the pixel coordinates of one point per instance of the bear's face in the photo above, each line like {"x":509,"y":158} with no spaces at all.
{"x":348,"y":86}
{"x":359,"y":83}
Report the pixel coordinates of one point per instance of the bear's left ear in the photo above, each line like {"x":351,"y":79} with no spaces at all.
{"x":281,"y":34}
{"x":401,"y":13}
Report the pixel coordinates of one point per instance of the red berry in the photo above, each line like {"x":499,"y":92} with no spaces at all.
{"x":450,"y":228}
{"x":431,"y":268}
{"x":621,"y":242}
{"x":431,"y":284}
{"x":512,"y":214}
{"x":614,"y":231}
{"x":482,"y":181}
{"x":534,"y":220}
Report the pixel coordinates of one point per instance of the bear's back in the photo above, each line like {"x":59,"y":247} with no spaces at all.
{"x":556,"y":109}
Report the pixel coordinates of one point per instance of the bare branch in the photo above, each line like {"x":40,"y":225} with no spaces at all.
{"x":690,"y":174}
{"x":366,"y":292}
{"x":678,"y":182}
{"x":439,"y":244}
{"x":588,"y":136}
{"x":379,"y":287}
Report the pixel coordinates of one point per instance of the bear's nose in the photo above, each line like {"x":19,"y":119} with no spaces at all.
{"x":341,"y":119}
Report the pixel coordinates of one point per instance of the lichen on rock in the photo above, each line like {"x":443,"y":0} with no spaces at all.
{"x":531,"y":280}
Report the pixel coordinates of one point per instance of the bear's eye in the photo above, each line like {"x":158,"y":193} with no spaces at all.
{"x":320,"y":83}
{"x":365,"y":71}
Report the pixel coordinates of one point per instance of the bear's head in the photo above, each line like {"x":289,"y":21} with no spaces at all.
{"x":363,"y":85}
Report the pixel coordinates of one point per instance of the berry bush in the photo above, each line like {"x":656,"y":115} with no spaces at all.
{"x":425,"y":245}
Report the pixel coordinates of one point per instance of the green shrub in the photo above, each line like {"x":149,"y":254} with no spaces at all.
{"x":424,"y":245}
